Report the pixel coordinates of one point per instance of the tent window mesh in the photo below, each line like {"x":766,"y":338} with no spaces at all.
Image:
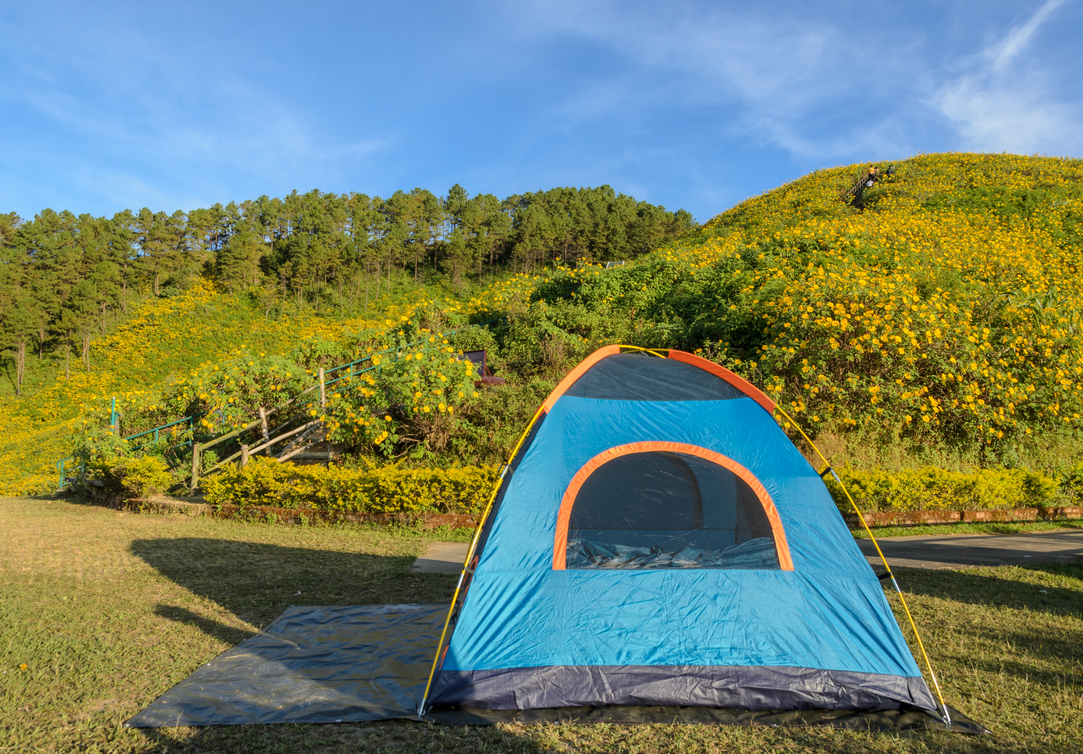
{"x":668,"y":510}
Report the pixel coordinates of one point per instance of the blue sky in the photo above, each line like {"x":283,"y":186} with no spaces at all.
{"x":106,"y":106}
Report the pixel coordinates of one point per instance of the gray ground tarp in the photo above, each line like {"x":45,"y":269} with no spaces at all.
{"x":312,"y":665}
{"x":370,"y":662}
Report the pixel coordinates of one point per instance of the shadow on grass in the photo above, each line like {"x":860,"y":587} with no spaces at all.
{"x":392,"y":736}
{"x":220,"y":631}
{"x":257,"y":581}
{"x":1031,"y":649}
{"x":1038,"y":655}
{"x":995,"y":590}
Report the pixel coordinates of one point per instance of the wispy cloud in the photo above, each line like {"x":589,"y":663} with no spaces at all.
{"x":1004,"y":52}
{"x":821,"y":86}
{"x":769,"y":74}
{"x":1006,"y":100}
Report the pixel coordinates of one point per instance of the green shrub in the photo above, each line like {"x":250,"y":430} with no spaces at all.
{"x":266,"y":482}
{"x":1039,"y":489}
{"x":937,"y":489}
{"x":131,"y":477}
{"x":1071,"y":485}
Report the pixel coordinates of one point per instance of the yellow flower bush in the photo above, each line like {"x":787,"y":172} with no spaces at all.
{"x":949,"y":308}
{"x":948,"y":312}
{"x":395,"y":395}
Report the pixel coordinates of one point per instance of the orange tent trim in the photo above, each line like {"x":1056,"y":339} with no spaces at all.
{"x":575,"y":374}
{"x":740,"y":383}
{"x":560,"y":541}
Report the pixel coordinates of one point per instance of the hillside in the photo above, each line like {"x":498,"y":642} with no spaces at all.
{"x":163,"y":339}
{"x":937,"y":323}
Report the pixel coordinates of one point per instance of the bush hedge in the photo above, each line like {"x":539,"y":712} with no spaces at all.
{"x":128,"y":478}
{"x":936,"y":489}
{"x":266,"y":482}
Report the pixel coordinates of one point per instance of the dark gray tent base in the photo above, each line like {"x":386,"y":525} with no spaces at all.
{"x":371,"y":662}
{"x":882,"y":720}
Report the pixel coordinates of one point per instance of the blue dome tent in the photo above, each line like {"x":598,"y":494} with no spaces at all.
{"x":657,"y":539}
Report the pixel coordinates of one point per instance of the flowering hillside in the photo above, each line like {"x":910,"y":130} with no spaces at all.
{"x":163,"y":340}
{"x":946,"y":313}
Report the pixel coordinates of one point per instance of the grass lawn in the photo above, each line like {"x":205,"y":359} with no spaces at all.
{"x":102,"y":611}
{"x":947,"y":530}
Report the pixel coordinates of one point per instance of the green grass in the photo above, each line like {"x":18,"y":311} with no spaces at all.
{"x":108,"y":610}
{"x":947,"y":530}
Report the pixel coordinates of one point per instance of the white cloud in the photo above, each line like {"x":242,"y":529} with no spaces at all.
{"x":1002,"y":54}
{"x":821,"y":85}
{"x":1009,"y":117}
{"x":778,"y":64}
{"x":1006,"y":100}
{"x":766,"y":75}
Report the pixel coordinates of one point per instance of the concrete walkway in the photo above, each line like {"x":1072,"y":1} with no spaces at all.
{"x":441,"y":557}
{"x":960,"y":551}
{"x":963,"y":550}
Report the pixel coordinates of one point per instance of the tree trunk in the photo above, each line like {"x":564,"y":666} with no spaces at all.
{"x":156,"y":282}
{"x":20,"y":361}
{"x":67,"y":356}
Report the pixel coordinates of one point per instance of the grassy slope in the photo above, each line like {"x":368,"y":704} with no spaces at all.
{"x":108,"y":610}
{"x":161,"y":340}
{"x":941,"y":325}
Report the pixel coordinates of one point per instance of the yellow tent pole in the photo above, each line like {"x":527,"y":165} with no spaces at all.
{"x":470,"y":554}
{"x":902,"y":599}
{"x":653,"y":351}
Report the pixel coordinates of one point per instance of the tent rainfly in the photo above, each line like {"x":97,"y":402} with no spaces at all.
{"x":657,"y":539}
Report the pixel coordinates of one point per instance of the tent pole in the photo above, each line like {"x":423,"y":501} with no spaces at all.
{"x":652,"y":351}
{"x":470,"y":555}
{"x":902,"y":599}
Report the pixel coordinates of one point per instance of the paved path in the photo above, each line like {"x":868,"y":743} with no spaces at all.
{"x":441,"y":557}
{"x":959,"y":551}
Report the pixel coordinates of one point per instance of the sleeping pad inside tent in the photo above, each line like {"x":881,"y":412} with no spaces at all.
{"x":657,"y":541}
